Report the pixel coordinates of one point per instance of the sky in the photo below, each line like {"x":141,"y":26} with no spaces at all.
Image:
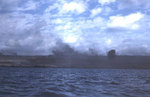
{"x":36,"y":27}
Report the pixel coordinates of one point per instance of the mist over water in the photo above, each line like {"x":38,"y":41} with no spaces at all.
{"x":57,"y":82}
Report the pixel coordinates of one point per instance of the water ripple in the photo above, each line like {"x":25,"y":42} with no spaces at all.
{"x":54,"y":82}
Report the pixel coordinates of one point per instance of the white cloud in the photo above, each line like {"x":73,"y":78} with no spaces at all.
{"x":70,"y":38}
{"x":103,"y":2}
{"x":57,"y":21}
{"x":108,"y":41}
{"x":129,"y":21}
{"x":95,"y":11}
{"x":107,"y":10}
{"x":74,"y":7}
{"x":98,"y":22}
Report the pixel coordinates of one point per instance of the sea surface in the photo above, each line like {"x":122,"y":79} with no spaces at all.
{"x":60,"y":82}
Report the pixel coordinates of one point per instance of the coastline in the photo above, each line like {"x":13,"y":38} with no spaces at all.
{"x":119,"y":62}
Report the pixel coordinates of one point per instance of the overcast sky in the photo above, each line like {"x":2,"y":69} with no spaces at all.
{"x":36,"y":26}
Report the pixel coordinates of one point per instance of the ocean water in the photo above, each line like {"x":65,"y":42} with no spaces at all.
{"x":60,"y":82}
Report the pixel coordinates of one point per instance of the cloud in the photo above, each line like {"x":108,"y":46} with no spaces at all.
{"x":91,"y":23}
{"x":107,"y":11}
{"x":103,"y":2}
{"x":74,"y":7}
{"x":136,"y":49}
{"x":133,"y":4}
{"x":95,"y":11}
{"x":29,"y":5}
{"x":34,"y":27}
{"x":8,"y":5}
{"x":21,"y":34}
{"x":52,"y":7}
{"x":129,"y":21}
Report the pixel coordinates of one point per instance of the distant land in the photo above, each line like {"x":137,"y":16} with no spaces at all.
{"x":66,"y":57}
{"x":77,"y":61}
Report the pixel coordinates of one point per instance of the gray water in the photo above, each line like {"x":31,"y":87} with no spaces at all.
{"x":59,"y":82}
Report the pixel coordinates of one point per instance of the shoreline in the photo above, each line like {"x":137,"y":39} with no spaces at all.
{"x":119,"y":62}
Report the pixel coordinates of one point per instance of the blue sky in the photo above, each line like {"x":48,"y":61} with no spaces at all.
{"x":36,"y":26}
